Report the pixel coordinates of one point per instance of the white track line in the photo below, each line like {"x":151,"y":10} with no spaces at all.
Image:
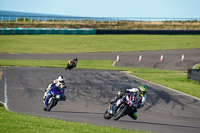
{"x":5,"y":92}
{"x":164,"y":87}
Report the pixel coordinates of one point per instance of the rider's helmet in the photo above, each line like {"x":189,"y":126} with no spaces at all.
{"x":75,"y":59}
{"x":142,"y":89}
{"x":61,"y":79}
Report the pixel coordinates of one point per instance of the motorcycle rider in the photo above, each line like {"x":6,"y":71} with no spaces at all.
{"x":59,"y":83}
{"x":140,"y":93}
{"x":72,"y":63}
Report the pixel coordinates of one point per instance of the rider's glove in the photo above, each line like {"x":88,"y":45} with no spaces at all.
{"x":134,"y":106}
{"x":126,"y":90}
{"x":141,"y":105}
{"x":112,"y":101}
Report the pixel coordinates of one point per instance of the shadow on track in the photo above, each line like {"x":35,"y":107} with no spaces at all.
{"x":155,"y":96}
{"x":72,"y":112}
{"x":159,"y":124}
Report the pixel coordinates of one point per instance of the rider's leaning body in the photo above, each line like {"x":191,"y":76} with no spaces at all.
{"x":59,"y":83}
{"x":140,"y":98}
{"x":72,"y":63}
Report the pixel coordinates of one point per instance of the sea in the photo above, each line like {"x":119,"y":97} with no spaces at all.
{"x":12,"y":16}
{"x":13,"y":13}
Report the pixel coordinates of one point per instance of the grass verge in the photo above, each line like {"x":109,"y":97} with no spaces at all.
{"x":197,"y":66}
{"x":173,"y":79}
{"x":94,"y":43}
{"x":11,"y":122}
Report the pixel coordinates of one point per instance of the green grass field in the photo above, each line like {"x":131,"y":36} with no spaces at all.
{"x":94,"y":43}
{"x":13,"y":122}
{"x":197,"y":66}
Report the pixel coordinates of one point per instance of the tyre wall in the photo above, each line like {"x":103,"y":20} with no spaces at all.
{"x":156,"y":32}
{"x":194,"y":74}
{"x":32,"y":31}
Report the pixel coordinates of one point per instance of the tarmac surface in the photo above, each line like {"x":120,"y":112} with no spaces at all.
{"x":150,"y":59}
{"x":89,"y":92}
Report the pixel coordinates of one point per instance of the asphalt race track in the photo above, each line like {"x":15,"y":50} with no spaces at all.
{"x":88,"y":94}
{"x":150,"y":59}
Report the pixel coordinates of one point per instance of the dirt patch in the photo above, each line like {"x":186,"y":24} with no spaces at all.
{"x":127,"y":72}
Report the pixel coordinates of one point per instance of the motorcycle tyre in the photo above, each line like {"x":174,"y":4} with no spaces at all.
{"x":107,"y":116}
{"x":50,"y":106}
{"x":45,"y":108}
{"x":121,"y":113}
{"x":55,"y":102}
{"x":68,"y":67}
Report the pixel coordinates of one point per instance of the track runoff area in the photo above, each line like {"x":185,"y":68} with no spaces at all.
{"x":88,"y":95}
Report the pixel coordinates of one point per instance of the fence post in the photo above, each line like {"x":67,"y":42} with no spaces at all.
{"x":189,"y":73}
{"x":194,"y":74}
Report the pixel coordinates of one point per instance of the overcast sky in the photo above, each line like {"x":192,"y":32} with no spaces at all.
{"x":107,"y":8}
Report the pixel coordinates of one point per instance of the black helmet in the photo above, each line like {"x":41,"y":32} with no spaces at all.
{"x":75,"y":59}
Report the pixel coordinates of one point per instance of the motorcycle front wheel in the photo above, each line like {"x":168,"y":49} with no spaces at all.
{"x":45,"y":108}
{"x":107,"y":115}
{"x":50,"y":105}
{"x":120,"y":112}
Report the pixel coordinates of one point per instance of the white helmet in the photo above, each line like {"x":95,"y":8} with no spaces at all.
{"x":61,"y":79}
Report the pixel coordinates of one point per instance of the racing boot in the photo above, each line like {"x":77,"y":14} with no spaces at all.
{"x":133,"y":115}
{"x":63,"y":97}
{"x":45,"y":94}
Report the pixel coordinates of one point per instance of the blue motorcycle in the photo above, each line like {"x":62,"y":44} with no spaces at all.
{"x":52,"y":98}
